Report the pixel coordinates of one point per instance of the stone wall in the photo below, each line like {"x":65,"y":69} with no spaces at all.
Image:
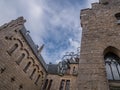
{"x":100,"y":30}
{"x":20,"y":69}
{"x":56,"y":79}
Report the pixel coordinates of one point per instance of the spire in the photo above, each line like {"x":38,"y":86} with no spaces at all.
{"x":40,"y":49}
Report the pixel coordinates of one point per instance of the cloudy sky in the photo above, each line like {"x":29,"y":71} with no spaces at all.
{"x":54,"y":23}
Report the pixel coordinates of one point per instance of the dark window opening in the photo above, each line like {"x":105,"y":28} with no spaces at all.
{"x":117,"y":16}
{"x":45,"y":85}
{"x":73,"y":69}
{"x":31,"y":76}
{"x":37,"y":79}
{"x":105,"y":3}
{"x":50,"y":83}
{"x":12,"y":49}
{"x":62,"y":85}
{"x":114,"y":88}
{"x":20,"y":59}
{"x":67,"y":87}
{"x":27,"y":66}
{"x":112,"y":63}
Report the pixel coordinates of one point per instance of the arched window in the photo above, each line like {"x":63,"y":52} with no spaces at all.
{"x":46,"y":84}
{"x":67,"y":87}
{"x":12,"y":49}
{"x":74,"y":69}
{"x":20,"y":59}
{"x":50,"y":84}
{"x":32,"y":73}
{"x":37,"y":79}
{"x":62,"y":85}
{"x":117,"y":15}
{"x":112,"y":62}
{"x":27,"y":66}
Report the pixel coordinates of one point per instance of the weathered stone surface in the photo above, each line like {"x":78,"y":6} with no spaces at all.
{"x":100,"y":30}
{"x":13,"y":45}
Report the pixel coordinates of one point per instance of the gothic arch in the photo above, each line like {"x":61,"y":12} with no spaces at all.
{"x":41,"y":73}
{"x":36,"y":66}
{"x":112,"y":63}
{"x":32,"y":59}
{"x":19,"y":41}
{"x":113,"y":50}
{"x":26,"y":52}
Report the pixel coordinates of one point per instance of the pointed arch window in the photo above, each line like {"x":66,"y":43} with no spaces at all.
{"x":112,"y":62}
{"x":20,"y":59}
{"x":46,"y":84}
{"x":62,"y":85}
{"x":27,"y":66}
{"x":117,"y":15}
{"x":31,"y":76}
{"x":67,"y":87}
{"x":37,"y":79}
{"x":50,"y":84}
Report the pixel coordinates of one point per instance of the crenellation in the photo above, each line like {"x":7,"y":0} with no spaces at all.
{"x":100,"y":31}
{"x":95,"y":6}
{"x":21,"y":68}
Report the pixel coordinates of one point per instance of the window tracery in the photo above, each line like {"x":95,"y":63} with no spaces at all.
{"x":112,"y":63}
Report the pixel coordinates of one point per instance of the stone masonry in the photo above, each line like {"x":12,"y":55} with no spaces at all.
{"x":101,"y":30}
{"x":21,"y":68}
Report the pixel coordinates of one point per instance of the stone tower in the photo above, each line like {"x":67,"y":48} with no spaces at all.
{"x":100,"y":39}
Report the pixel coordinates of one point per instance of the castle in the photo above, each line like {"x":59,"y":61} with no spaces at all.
{"x":95,"y":67}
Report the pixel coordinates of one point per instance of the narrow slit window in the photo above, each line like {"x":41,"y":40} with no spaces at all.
{"x":67,"y":87}
{"x":50,"y":84}
{"x":31,"y":76}
{"x":118,"y":18}
{"x":46,"y":84}
{"x":62,"y":85}
{"x":27,"y":66}
{"x":20,"y":59}
{"x":73,"y":69}
{"x":12,"y":49}
{"x":37,"y":79}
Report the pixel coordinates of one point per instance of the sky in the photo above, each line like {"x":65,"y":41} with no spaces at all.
{"x":54,"y":23}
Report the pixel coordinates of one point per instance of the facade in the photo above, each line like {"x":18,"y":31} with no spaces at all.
{"x":99,"y":67}
{"x":21,"y":66}
{"x":95,"y":67}
{"x":63,"y":76}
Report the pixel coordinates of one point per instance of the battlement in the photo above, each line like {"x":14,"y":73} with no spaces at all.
{"x":19,"y":22}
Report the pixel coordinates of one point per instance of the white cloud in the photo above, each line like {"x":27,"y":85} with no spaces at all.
{"x":42,"y":19}
{"x":74,"y":43}
{"x":89,"y":2}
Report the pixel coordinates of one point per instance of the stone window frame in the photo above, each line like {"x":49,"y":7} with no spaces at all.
{"x":12,"y":49}
{"x":117,"y":16}
{"x":50,"y":84}
{"x":27,"y":66}
{"x":20,"y":58}
{"x":45,"y":84}
{"x":37,"y":79}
